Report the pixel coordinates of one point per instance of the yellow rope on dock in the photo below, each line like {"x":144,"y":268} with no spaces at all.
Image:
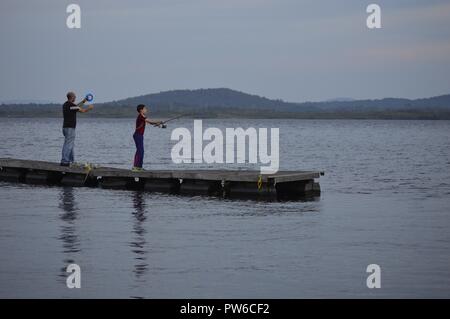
{"x":88,"y":167}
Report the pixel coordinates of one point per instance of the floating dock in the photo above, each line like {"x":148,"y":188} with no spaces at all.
{"x":219,"y":183}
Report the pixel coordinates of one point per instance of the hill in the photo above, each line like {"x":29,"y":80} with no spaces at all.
{"x":223,"y":102}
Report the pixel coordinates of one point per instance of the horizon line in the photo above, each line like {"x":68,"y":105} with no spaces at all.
{"x":330,"y":100}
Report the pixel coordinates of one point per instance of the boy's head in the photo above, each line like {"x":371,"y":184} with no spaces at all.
{"x":142,"y":109}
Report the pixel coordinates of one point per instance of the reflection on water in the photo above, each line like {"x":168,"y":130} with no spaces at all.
{"x":384,"y":200}
{"x":68,"y":236}
{"x":138,"y":243}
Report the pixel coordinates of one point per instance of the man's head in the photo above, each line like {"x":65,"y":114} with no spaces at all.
{"x":71,"y":97}
{"x":141,"y":108}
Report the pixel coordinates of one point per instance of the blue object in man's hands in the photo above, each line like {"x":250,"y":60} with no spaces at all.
{"x":89,"y":97}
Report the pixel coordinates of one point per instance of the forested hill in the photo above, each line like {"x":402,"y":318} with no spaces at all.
{"x":205,"y":98}
{"x":223,"y":102}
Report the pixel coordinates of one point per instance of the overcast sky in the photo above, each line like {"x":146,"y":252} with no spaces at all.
{"x":288,"y":49}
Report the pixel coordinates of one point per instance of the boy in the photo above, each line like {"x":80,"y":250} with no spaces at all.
{"x":138,"y":136}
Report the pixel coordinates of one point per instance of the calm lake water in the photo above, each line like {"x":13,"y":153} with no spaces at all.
{"x":385,"y":200}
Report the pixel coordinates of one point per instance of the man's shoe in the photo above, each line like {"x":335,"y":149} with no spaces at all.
{"x":65,"y":164}
{"x":137,"y":169}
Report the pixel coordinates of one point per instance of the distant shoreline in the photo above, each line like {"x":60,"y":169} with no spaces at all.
{"x":304,"y":116}
{"x":228,"y":103}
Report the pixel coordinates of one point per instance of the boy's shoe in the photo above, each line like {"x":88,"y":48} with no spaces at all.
{"x":137,"y":169}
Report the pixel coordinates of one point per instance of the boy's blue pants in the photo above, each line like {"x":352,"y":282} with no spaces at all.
{"x":139,"y":156}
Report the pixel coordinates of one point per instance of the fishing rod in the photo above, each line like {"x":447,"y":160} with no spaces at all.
{"x":163,"y":123}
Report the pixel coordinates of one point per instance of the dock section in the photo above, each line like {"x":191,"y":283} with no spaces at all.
{"x":220,"y":183}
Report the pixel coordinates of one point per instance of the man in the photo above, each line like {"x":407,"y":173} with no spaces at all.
{"x":70,"y":110}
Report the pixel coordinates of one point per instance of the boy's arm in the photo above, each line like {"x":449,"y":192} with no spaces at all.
{"x":153,"y":122}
